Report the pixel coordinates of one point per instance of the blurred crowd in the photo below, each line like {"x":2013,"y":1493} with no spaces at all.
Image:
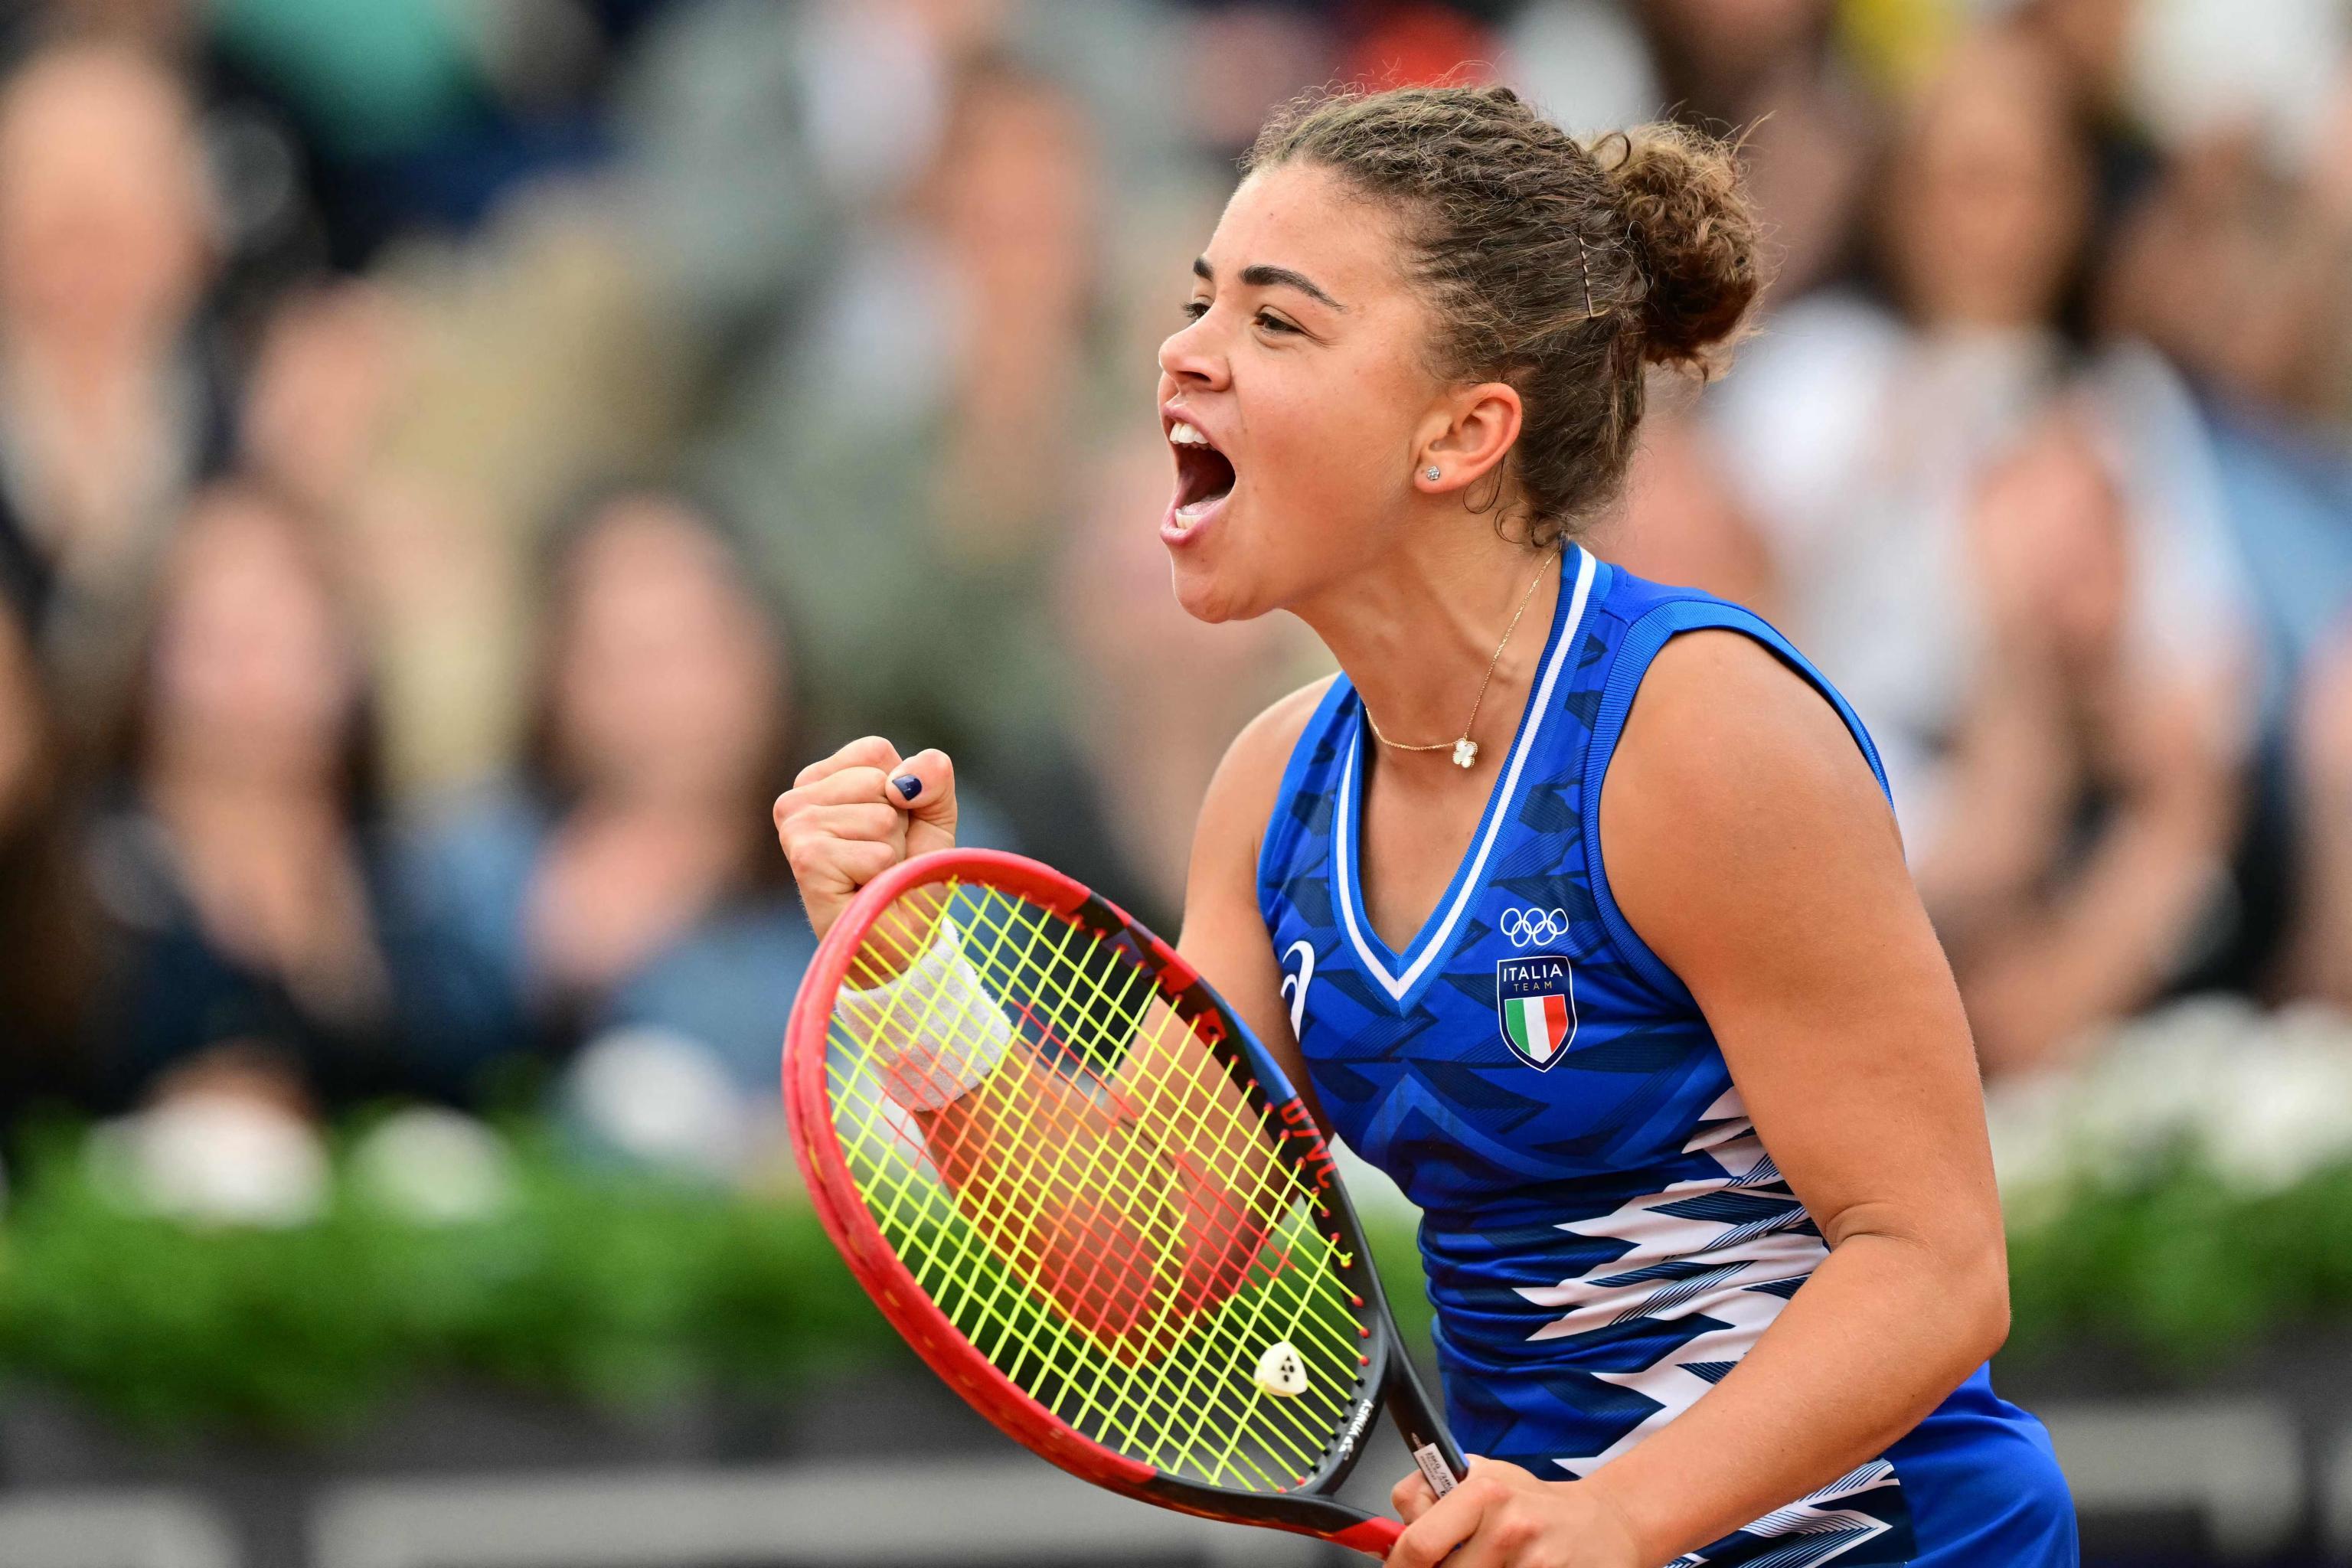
{"x":457,"y":462}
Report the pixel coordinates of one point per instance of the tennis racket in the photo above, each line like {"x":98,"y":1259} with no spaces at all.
{"x":1091,"y":1202}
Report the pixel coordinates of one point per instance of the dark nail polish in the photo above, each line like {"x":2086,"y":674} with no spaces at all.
{"x":907,"y":784}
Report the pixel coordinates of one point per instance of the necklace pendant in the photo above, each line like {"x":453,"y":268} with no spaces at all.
{"x":1466,"y":753}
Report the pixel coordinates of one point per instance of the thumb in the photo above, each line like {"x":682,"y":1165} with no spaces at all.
{"x":923,"y":786}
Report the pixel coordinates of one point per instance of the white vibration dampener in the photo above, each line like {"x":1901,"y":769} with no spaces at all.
{"x":1279,"y":1371}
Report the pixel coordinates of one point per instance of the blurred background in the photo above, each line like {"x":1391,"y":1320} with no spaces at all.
{"x":458,"y":458}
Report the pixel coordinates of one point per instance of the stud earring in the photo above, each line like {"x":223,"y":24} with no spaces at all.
{"x":1433,"y":473}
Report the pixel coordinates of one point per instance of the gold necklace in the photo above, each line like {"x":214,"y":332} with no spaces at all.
{"x":1465,"y":750}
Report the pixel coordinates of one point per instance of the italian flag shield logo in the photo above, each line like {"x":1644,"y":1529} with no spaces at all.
{"x":1534,"y":999}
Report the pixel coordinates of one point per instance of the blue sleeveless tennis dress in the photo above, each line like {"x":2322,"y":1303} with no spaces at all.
{"x":1604,"y":1235}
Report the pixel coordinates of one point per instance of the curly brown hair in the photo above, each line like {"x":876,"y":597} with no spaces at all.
{"x":1563,"y":267}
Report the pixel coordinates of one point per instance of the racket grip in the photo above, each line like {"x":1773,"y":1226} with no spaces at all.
{"x":1378,"y":1537}
{"x":1438,"y":1470}
{"x":1433,"y":1447}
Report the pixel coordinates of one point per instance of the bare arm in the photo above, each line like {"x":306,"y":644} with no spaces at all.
{"x":1751,"y":849}
{"x":1224,"y":931}
{"x":1749,"y":844}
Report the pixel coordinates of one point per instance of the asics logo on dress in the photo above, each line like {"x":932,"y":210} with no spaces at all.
{"x":1527,"y":927}
{"x":1294,"y":986}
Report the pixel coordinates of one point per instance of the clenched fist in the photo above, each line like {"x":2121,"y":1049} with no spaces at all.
{"x":859,"y":812}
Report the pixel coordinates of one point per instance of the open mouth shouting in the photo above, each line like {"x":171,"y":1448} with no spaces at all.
{"x":1204,"y":479}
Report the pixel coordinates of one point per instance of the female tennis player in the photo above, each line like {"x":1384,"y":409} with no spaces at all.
{"x":1576,"y":899}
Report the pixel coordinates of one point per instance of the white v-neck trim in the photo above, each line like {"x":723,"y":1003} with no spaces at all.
{"x":1432,"y":937}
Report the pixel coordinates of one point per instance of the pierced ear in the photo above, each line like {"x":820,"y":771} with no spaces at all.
{"x":1467,"y":436}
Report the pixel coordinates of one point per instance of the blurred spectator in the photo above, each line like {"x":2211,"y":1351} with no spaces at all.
{"x":436,"y":416}
{"x":912,"y":454}
{"x":1586,"y":62}
{"x":628,"y":874}
{"x":1765,"y":70}
{"x":330,"y":366}
{"x":110,"y":406}
{"x":2089,"y":45}
{"x":2234,"y":265}
{"x":47,"y":952}
{"x":1240,"y":60}
{"x":2320,"y":963}
{"x":1855,"y":428}
{"x":1682,"y":518}
{"x":1412,"y":42}
{"x":2236,"y":271}
{"x":2083,"y":853}
{"x":263,"y":230}
{"x":340,"y":375}
{"x":1864,"y":439}
{"x":887,"y":273}
{"x":415,"y":114}
{"x":246,"y":898}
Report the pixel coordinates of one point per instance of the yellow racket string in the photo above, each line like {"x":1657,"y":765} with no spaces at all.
{"x":1198,"y":1129}
{"x":988,"y":1192}
{"x":1169,"y":1301}
{"x":1063,"y":935}
{"x":1171,"y":1384}
{"x":1009,"y":1320}
{"x":1143,"y":1412}
{"x":1132,"y":1171}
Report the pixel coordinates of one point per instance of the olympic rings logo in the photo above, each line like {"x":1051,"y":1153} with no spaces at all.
{"x":1527,"y":927}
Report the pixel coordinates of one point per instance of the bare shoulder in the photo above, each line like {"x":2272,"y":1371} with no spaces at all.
{"x":1738,"y":805}
{"x":1240,"y":796}
{"x":1224,"y":933}
{"x":1251,"y":772}
{"x":1723,"y":728}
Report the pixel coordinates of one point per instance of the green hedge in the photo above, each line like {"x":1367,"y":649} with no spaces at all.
{"x":614,"y":1287}
{"x":618,"y":1287}
{"x":2177,"y":1270}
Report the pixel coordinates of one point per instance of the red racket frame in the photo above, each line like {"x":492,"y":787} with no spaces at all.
{"x":842,"y":1209}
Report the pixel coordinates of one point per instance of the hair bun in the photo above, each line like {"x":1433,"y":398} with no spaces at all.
{"x":1694,"y":235}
